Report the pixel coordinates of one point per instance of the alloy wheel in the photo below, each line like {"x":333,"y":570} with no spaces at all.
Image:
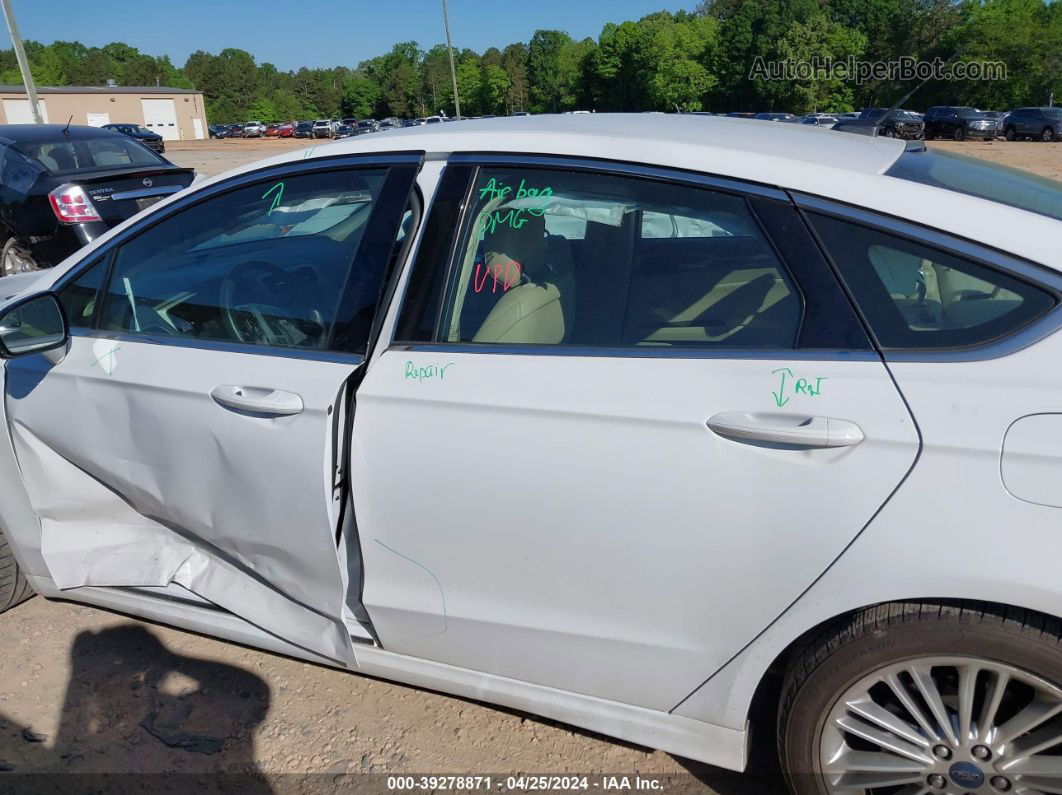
{"x":944,"y":726}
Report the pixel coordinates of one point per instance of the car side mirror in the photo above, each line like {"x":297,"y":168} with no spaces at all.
{"x":32,"y":325}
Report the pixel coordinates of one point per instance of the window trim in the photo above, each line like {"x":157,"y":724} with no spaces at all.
{"x":745,"y":190}
{"x":619,"y":167}
{"x":105,"y":254}
{"x":992,"y":259}
{"x":645,"y":352}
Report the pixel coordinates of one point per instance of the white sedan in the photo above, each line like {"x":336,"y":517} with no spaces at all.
{"x":612,"y":419}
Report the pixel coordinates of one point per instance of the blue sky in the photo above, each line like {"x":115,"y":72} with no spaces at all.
{"x":293,"y":33}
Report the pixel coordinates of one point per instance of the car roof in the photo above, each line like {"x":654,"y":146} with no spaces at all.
{"x":803,"y":158}
{"x":702,"y":143}
{"x":43,"y":133}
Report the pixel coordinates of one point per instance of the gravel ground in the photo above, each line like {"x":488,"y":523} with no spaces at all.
{"x":85,"y":691}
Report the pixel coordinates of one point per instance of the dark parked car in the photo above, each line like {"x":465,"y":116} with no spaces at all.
{"x":235,"y":131}
{"x":1044,"y":124}
{"x":775,"y":117}
{"x":304,"y":129}
{"x":63,"y":186}
{"x":344,"y":131}
{"x":898,"y":124}
{"x":152,"y":140}
{"x":218,"y":130}
{"x":958,"y":122}
{"x":366,"y":126}
{"x":819,"y":121}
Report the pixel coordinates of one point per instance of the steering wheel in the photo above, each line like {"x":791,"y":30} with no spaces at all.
{"x":259,"y":323}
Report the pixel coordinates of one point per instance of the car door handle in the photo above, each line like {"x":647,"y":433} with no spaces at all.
{"x":257,"y":399}
{"x":786,"y":429}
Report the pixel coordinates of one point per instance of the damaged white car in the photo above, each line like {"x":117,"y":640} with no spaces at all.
{"x":613,"y":420}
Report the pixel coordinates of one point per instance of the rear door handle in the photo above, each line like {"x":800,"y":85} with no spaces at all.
{"x":787,"y":429}
{"x":258,"y":400}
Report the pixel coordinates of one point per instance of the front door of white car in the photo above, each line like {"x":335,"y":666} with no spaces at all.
{"x":190,"y":436}
{"x":626,"y":419}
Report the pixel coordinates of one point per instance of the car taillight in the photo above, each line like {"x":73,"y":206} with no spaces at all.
{"x":72,"y":205}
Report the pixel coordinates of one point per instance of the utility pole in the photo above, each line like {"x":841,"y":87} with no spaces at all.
{"x":450,"y":50}
{"x":23,"y":64}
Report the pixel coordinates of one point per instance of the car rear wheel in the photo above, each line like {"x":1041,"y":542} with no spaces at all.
{"x":13,"y":585}
{"x":1047,"y":135}
{"x":1010,"y":134}
{"x":959,"y":134}
{"x":911,"y":697}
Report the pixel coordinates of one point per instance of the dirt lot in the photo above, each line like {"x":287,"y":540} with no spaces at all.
{"x":84,"y":691}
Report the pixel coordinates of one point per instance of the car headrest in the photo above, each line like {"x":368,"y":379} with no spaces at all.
{"x":525,"y":245}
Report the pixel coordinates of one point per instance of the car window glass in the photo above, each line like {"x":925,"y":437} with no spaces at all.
{"x":61,"y":157}
{"x":18,"y":172}
{"x":79,"y":297}
{"x":553,"y":257}
{"x":917,"y":296}
{"x":977,"y":177}
{"x":263,"y":264}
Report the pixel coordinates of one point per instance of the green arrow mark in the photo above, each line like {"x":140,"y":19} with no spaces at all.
{"x":779,"y":396}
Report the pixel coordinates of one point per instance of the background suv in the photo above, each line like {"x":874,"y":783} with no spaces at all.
{"x":322,"y":128}
{"x":959,"y":123}
{"x":1042,"y":123}
{"x":253,"y":129}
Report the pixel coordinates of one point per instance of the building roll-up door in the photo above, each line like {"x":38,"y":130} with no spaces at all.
{"x":160,"y":116}
{"x":17,"y":111}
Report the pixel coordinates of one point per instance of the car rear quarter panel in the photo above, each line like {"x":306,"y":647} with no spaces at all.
{"x":951,"y":531}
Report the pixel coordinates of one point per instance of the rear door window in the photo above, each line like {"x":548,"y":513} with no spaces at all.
{"x":915,"y":296}
{"x":552,"y":257}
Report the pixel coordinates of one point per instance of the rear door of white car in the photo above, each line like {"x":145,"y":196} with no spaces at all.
{"x":190,"y":434}
{"x":626,"y":417}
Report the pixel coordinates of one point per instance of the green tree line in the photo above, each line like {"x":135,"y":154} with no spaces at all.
{"x":685,"y":60}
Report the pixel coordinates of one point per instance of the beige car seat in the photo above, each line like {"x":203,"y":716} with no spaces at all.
{"x":539,"y":308}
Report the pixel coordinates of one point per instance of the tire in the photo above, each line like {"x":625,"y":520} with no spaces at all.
{"x":13,"y":585}
{"x":890,"y":133}
{"x":1010,"y":134}
{"x":1048,"y":135}
{"x":927,"y":134}
{"x":959,"y":134}
{"x":836,"y":668}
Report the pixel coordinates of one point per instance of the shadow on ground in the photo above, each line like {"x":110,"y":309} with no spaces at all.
{"x":187,"y":719}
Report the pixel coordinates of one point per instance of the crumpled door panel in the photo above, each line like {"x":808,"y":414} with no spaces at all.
{"x":141,"y":479}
